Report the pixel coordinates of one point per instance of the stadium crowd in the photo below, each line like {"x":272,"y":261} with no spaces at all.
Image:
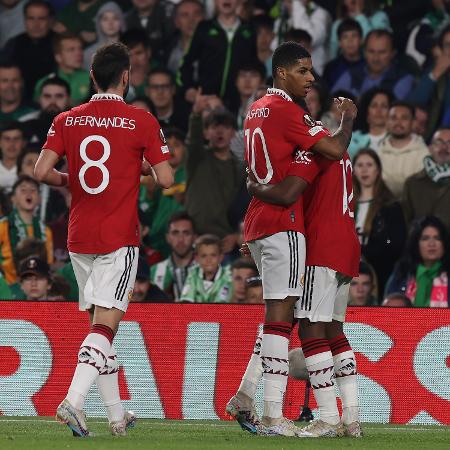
{"x":197,"y":66}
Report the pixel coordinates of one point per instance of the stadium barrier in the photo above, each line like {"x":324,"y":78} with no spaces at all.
{"x":185,"y":361}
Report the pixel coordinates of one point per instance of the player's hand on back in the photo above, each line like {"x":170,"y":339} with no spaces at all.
{"x":346,"y":106}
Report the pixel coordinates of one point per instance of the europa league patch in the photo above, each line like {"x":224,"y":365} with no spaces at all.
{"x":162,"y":137}
{"x":309,"y":120}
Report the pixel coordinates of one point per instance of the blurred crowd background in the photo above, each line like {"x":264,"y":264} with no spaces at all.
{"x":197,"y":65}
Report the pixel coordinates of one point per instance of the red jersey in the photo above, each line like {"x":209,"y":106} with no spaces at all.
{"x":331,"y":239}
{"x":104,"y":141}
{"x":275,"y":128}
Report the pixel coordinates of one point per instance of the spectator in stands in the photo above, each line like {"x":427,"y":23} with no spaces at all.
{"x":371,"y":123}
{"x":109,"y":23}
{"x":350,"y":55}
{"x":161,"y":90}
{"x":214,"y":175}
{"x":32,"y":50}
{"x":143,"y":103}
{"x":144,"y":291}
{"x":420,"y":124}
{"x":35,"y":279}
{"x":170,"y":274}
{"x":264,"y":38}
{"x":12,"y":143}
{"x":78,"y":17}
{"x":432,"y":92}
{"x":218,"y":48}
{"x":12,"y":105}
{"x":140,"y":61}
{"x":59,"y":290}
{"x":69,"y":58}
{"x":363,"y":288}
{"x":249,"y":76}
{"x":187,"y":15}
{"x":208,"y":282}
{"x":428,"y":191}
{"x":379,"y":217}
{"x":422,"y":274}
{"x":11,"y":19}
{"x":241,"y":270}
{"x":5,"y":204}
{"x":309,"y":16}
{"x":22,"y":223}
{"x":401,"y":152}
{"x":159,"y":204}
{"x":366,"y":12}
{"x":54,"y":98}
{"x":5,"y":291}
{"x":154,"y":17}
{"x":380,"y":69}
{"x":253,"y":291}
{"x":397,"y":301}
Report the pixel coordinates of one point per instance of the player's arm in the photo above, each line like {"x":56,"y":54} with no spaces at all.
{"x":45,"y":172}
{"x":284,"y":193}
{"x":334,"y":147}
{"x":163,"y":174}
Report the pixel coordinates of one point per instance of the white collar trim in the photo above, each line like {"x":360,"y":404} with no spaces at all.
{"x":106,"y":96}
{"x":280,"y":92}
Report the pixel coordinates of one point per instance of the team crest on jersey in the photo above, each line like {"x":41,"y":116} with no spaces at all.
{"x":302,"y":157}
{"x":309,"y":121}
{"x":162,"y":137}
{"x":51,"y":131}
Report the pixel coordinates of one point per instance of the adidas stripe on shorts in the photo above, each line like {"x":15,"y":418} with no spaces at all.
{"x":106,"y":280}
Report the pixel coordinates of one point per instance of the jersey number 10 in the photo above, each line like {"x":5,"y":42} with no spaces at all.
{"x":347,"y":198}
{"x":251,"y":141}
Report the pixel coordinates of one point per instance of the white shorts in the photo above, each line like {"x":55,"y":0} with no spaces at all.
{"x":280,"y":259}
{"x":106,"y":280}
{"x":323,"y":299}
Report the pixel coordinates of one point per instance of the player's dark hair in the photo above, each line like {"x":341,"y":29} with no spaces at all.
{"x":380,"y":33}
{"x":208,"y":239}
{"x":263,"y":21}
{"x":60,"y":38}
{"x":132,"y":38}
{"x":364,"y":104}
{"x":24,"y":179}
{"x":162,"y":71}
{"x":109,"y":63}
{"x":244,"y":263}
{"x":382,"y":195}
{"x":255,"y":66}
{"x":179,"y":216}
{"x":403,"y":104}
{"x":286,"y":55}
{"x":176,"y":133}
{"x":411,"y":257}
{"x":55,"y":81}
{"x":42,"y":3}
{"x":298,"y":35}
{"x":349,"y":24}
{"x":220,"y":116}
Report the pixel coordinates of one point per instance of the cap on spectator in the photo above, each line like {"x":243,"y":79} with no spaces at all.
{"x":220,"y":116}
{"x":143,"y":270}
{"x":34,"y":266}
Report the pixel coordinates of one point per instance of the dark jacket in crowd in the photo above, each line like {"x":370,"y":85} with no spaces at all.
{"x":424,"y":197}
{"x":218,"y":60}
{"x":386,"y":241}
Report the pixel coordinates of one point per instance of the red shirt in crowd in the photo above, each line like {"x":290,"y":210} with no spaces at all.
{"x":331,"y":239}
{"x":105,"y":141}
{"x":275,"y":127}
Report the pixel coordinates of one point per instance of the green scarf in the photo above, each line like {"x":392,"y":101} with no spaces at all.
{"x":18,"y":229}
{"x":439,"y":173}
{"x":424,"y":283}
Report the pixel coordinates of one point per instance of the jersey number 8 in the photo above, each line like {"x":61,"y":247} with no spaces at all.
{"x":99,"y":163}
{"x":251,"y":152}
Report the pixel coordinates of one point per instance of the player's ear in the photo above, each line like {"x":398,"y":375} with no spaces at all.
{"x":281,"y":72}
{"x":93,"y":79}
{"x":126,"y":77}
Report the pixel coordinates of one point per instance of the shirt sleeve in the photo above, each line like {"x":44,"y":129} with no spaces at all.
{"x":303,"y":130}
{"x":55,"y":136}
{"x":156,"y":149}
{"x":306,"y":165}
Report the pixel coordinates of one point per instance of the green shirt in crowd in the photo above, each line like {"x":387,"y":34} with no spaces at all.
{"x":16,"y":114}
{"x":75,"y":20}
{"x":5,"y":291}
{"x":198,"y":290}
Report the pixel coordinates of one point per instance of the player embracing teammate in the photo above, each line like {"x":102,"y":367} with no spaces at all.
{"x":320,"y":168}
{"x":105,"y":142}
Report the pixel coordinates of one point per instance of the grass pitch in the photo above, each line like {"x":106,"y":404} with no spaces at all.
{"x":46,"y":434}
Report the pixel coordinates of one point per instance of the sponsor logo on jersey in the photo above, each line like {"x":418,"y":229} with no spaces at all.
{"x":162,"y":137}
{"x":309,"y":121}
{"x":314,"y":130}
{"x":303,"y":157}
{"x":51,"y":130}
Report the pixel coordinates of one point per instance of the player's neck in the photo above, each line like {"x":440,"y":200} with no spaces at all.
{"x":115,"y":91}
{"x":26,"y":216}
